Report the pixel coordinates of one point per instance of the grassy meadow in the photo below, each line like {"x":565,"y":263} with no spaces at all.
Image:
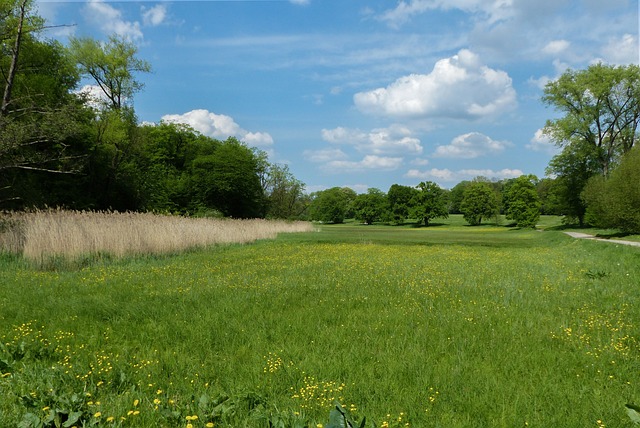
{"x":446,"y":326}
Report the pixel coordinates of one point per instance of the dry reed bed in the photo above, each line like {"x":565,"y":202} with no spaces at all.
{"x":41,"y":235}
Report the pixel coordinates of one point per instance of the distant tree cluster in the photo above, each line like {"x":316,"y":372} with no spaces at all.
{"x":478,"y":200}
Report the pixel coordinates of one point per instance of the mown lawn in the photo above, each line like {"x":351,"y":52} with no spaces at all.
{"x":446,"y":326}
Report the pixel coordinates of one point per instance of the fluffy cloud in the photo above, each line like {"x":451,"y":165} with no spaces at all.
{"x":446,"y":175}
{"x":218,"y":126}
{"x":556,"y":47}
{"x":392,"y":140}
{"x":471,"y":145}
{"x":110,"y":20}
{"x":541,"y":143}
{"x":155,"y":15}
{"x":369,"y":162}
{"x":459,"y":87}
{"x":327,"y":155}
{"x":622,"y":50}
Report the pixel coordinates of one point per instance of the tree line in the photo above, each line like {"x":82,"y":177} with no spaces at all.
{"x":60,"y":147}
{"x":519,"y":199}
{"x":63,"y":148}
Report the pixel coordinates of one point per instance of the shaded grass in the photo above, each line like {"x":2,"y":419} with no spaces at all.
{"x":451,"y":327}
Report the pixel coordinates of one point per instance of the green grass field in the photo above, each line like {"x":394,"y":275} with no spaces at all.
{"x":447,"y":326}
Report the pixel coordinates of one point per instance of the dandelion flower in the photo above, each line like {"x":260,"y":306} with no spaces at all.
{"x":97,"y":414}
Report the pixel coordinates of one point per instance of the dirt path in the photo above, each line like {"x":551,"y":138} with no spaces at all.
{"x":587,"y":236}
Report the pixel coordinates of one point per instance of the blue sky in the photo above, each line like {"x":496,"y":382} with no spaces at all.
{"x":364,"y":93}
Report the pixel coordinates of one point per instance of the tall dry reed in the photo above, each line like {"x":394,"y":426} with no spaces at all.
{"x":42,"y":235}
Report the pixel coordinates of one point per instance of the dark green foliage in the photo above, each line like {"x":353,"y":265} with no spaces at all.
{"x":456,"y":194}
{"x":521,"y":201}
{"x":479,"y":202}
{"x":573,"y":168}
{"x":329,"y":206}
{"x":429,"y":202}
{"x":284,"y":193}
{"x":227,"y":179}
{"x":614,"y":202}
{"x":371,"y":207}
{"x":399,"y":198}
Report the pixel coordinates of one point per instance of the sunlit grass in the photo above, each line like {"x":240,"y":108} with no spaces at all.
{"x":422,"y":326}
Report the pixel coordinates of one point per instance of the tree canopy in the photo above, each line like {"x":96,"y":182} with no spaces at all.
{"x":601,"y":107}
{"x":429,"y":202}
{"x":479,"y":202}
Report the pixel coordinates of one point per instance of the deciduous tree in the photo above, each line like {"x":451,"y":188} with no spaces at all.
{"x":521,"y":202}
{"x":614,"y":201}
{"x":112,"y":65}
{"x":371,"y":206}
{"x":429,"y":202}
{"x":479,"y":202}
{"x":399,"y":198}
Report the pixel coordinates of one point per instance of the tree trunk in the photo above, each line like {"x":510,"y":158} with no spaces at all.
{"x":13,"y":67}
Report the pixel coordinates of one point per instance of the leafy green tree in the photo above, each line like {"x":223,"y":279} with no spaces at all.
{"x":429,"y":202}
{"x":601,"y":107}
{"x":371,"y":206}
{"x":329,"y":206}
{"x":521,"y":201}
{"x":573,"y":168}
{"x":43,"y":125}
{"x":112,"y":66}
{"x":601,"y":112}
{"x":479,"y":202}
{"x":399,"y":198}
{"x":455,"y":196}
{"x":284,"y":193}
{"x":614,"y":202}
{"x":547,"y":189}
{"x":225,"y":176}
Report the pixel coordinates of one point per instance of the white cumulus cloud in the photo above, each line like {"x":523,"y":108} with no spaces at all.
{"x":446,"y":175}
{"x":218,"y":126}
{"x":470,"y":146}
{"x":622,"y":50}
{"x":154,"y":16}
{"x":460,"y":87}
{"x":368,"y":163}
{"x":542,"y":143}
{"x":110,"y":20}
{"x":556,"y":47}
{"x":325,"y":155}
{"x":395,"y":139}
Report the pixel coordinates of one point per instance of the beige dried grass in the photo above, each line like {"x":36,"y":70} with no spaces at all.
{"x":42,"y":235}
